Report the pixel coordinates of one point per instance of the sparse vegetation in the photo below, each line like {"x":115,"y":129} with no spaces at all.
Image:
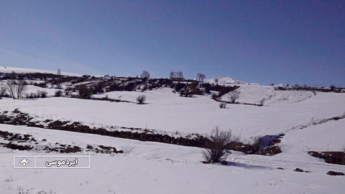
{"x":222,"y":105}
{"x":58,"y":93}
{"x":262,"y":102}
{"x":200,"y":77}
{"x":145,"y":75}
{"x":2,"y":92}
{"x":42,"y":94}
{"x":217,"y":145}
{"x":11,"y":87}
{"x":141,"y":99}
{"x":257,"y":144}
{"x":233,"y":96}
{"x":84,"y":92}
{"x":21,"y":88}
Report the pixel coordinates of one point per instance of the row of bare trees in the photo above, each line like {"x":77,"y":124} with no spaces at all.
{"x":15,"y":88}
{"x":175,"y":75}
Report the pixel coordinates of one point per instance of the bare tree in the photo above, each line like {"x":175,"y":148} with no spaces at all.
{"x":21,"y":88}
{"x":84,"y":92}
{"x":172,"y":75}
{"x":59,"y":71}
{"x":200,"y":77}
{"x":11,"y":86}
{"x":145,"y":74}
{"x":179,"y":75}
{"x":216,"y":80}
{"x":2,"y":92}
{"x":217,"y":145}
{"x":176,"y":75}
{"x":233,"y":96}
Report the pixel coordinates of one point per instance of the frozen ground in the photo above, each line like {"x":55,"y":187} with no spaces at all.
{"x":147,"y":167}
{"x":166,"y":111}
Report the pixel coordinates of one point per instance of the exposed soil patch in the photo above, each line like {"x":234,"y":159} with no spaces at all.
{"x":330,"y":157}
{"x":14,"y":146}
{"x":332,"y":173}
{"x":194,"y":140}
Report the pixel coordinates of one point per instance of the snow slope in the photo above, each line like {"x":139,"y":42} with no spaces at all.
{"x":255,"y":93}
{"x":166,"y":111}
{"x":148,"y":167}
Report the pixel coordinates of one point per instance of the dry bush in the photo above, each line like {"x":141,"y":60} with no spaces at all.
{"x":2,"y":92}
{"x":258,"y":144}
{"x":11,"y":86}
{"x":222,"y":105}
{"x":262,"y":102}
{"x":41,"y":94}
{"x":58,"y":93}
{"x":85,"y":92}
{"x":233,"y":96}
{"x":21,"y":88}
{"x":217,"y":146}
{"x":145,"y":75}
{"x":141,"y":99}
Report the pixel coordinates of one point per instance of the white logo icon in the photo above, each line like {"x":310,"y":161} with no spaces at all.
{"x":24,"y":161}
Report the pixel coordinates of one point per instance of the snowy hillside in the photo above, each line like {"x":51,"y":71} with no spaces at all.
{"x":5,"y":69}
{"x":101,"y":118}
{"x":224,"y":80}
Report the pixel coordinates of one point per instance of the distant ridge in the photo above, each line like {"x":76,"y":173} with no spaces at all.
{"x":5,"y":69}
{"x":224,"y":80}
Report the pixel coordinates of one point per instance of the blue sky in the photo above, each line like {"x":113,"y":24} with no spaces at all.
{"x":292,"y":42}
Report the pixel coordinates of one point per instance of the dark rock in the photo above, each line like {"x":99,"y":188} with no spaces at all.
{"x":298,"y":170}
{"x":332,"y":173}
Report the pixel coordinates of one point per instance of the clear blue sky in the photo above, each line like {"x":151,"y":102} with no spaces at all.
{"x":292,"y":42}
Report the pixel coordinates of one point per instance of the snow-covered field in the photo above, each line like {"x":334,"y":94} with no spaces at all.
{"x":166,"y":111}
{"x":148,"y":167}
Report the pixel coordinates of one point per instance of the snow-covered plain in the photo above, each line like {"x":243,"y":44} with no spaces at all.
{"x":147,"y":167}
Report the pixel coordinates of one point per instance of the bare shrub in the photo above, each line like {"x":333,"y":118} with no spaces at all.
{"x":233,"y":96}
{"x":200,"y":77}
{"x":21,"y":88}
{"x":222,"y":104}
{"x":11,"y":86}
{"x":2,"y":92}
{"x":85,"y":92}
{"x":145,"y":75}
{"x":262,"y":102}
{"x":258,"y":144}
{"x":141,"y":99}
{"x":217,"y":145}
{"x":41,"y":94}
{"x":216,"y":81}
{"x":58,"y":93}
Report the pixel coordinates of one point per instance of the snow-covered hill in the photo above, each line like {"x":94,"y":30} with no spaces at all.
{"x":150,"y":167}
{"x":6,"y":69}
{"x":222,"y":80}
